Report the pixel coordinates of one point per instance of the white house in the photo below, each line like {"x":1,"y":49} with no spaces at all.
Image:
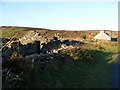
{"x":102,"y":36}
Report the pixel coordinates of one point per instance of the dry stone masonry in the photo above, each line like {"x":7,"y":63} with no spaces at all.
{"x":34,"y":43}
{"x":32,"y":36}
{"x":31,"y":43}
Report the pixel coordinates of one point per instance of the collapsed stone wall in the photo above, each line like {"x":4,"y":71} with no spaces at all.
{"x":31,"y":37}
{"x":34,"y":43}
{"x":20,"y":49}
{"x":53,"y":44}
{"x":31,"y":43}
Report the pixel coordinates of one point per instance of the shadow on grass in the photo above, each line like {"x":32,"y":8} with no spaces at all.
{"x":75,"y":68}
{"x":88,"y":70}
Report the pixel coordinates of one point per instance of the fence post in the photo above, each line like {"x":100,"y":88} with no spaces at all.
{"x":37,"y":46}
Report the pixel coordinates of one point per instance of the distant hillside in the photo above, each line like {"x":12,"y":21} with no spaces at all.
{"x":9,"y":31}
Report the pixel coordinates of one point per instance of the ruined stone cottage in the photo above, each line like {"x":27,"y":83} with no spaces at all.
{"x":31,"y":43}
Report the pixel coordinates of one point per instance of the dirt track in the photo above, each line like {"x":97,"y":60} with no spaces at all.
{"x":116,"y":73}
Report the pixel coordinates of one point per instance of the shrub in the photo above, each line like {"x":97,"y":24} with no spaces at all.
{"x":83,"y":36}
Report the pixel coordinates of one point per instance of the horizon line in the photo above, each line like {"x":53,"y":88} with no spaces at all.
{"x":57,"y":29}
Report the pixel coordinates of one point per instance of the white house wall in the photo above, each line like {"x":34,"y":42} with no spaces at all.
{"x":102,"y":36}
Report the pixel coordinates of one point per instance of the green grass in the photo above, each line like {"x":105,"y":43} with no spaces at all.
{"x":112,"y":48}
{"x":9,"y":32}
{"x":78,"y":73}
{"x":83,"y":36}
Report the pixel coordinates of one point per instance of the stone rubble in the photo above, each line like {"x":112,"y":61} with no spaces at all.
{"x":34,"y":45}
{"x":32,"y":36}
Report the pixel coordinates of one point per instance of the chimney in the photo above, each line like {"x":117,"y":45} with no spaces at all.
{"x":102,"y":31}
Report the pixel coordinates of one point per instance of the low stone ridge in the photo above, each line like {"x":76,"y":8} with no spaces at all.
{"x":72,"y":42}
{"x":34,"y":43}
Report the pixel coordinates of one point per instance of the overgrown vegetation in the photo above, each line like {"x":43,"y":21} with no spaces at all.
{"x":86,"y":66}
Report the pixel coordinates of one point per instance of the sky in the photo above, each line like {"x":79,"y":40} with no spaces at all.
{"x":61,"y":15}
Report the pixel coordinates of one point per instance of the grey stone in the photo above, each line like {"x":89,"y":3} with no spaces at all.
{"x":32,"y":36}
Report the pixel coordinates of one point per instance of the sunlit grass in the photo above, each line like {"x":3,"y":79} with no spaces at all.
{"x":9,"y":32}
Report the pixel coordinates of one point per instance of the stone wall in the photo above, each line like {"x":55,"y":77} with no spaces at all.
{"x":53,"y":44}
{"x":34,"y":43}
{"x":24,"y":50}
{"x":31,"y":37}
{"x":31,"y":43}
